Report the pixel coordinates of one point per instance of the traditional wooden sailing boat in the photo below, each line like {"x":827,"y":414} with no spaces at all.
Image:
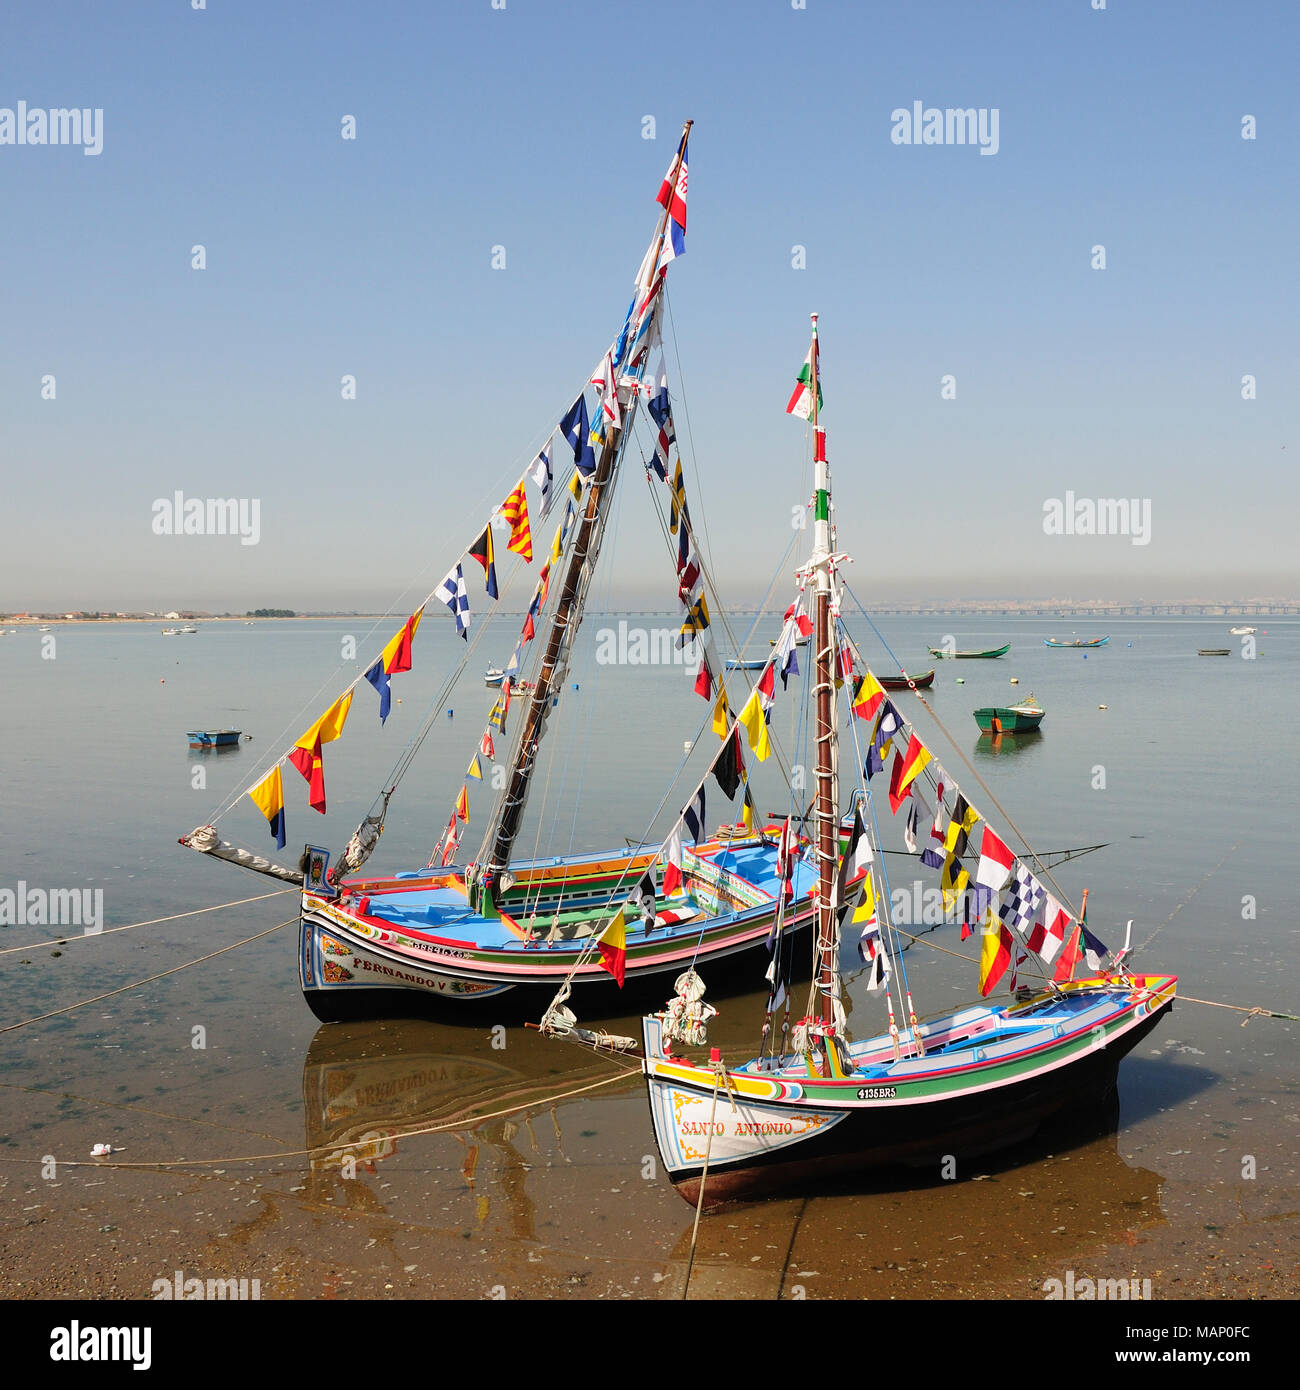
{"x":1076,"y":642}
{"x":815,"y":1101}
{"x":473,"y":930}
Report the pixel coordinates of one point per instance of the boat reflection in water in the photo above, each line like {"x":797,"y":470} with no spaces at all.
{"x":367,"y":1086}
{"x":1006,"y":745}
{"x":910,"y":1224}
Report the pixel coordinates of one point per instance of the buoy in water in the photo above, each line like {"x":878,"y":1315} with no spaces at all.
{"x":961,"y":680}
{"x":1015,"y":680}
{"x":687,"y":746}
{"x":1103,"y":706}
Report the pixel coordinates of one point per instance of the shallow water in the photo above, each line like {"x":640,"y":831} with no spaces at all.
{"x":1185,"y":776}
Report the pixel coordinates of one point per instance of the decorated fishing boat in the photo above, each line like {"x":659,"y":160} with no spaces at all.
{"x":922,"y":682}
{"x":1075,"y":642}
{"x":466,"y":927}
{"x":990,"y":654}
{"x":936,"y":1090}
{"x":1011,"y":719}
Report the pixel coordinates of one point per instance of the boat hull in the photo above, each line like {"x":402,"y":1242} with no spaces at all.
{"x":1092,"y":642}
{"x":922,"y":682}
{"x":214,"y":738}
{"x":357,"y":956}
{"x":1006,"y":720}
{"x":787,"y":1134}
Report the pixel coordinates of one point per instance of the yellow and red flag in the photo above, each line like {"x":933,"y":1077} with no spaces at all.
{"x":515,"y":511}
{"x":995,"y":955}
{"x":613,"y":947}
{"x":305,"y":755}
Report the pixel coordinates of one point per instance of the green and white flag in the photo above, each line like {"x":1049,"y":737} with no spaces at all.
{"x":801,"y":400}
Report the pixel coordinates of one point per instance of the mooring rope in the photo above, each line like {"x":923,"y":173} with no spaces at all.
{"x":94,"y":999}
{"x":151,"y":922}
{"x":334,"y":1148}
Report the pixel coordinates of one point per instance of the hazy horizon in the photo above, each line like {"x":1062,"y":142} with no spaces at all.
{"x":1092,"y":310}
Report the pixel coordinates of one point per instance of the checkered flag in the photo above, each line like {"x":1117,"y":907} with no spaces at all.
{"x":1025,"y":896}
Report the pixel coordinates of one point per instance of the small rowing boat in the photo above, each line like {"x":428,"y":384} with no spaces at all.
{"x":969,"y":656}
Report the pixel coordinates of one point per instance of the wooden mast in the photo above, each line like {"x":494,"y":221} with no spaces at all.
{"x":826,"y":813}
{"x":568,"y":611}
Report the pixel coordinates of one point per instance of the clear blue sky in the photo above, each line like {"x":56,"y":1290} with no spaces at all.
{"x":522,"y":128}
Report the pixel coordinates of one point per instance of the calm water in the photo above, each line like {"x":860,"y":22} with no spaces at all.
{"x":1186,"y":777}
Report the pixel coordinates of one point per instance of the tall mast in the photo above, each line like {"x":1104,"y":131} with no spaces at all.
{"x":494,"y":854}
{"x":826,"y":813}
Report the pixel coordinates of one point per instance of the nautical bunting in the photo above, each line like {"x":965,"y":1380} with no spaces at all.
{"x":485,"y":746}
{"x":540,"y":473}
{"x":462,"y":805}
{"x":661,"y":413}
{"x":450,"y":841}
{"x":481,"y":551}
{"x":515,"y":510}
{"x":729,"y":765}
{"x":474,"y":770}
{"x":576,"y":430}
{"x":870,"y":945}
{"x":393,"y":660}
{"x":268,"y":797}
{"x":643,"y":898}
{"x":995,"y":956}
{"x":955,"y":877}
{"x":693,"y":816}
{"x":305,"y":755}
{"x":914,"y":760}
{"x":857,"y":860}
{"x":1048,"y":936}
{"x":672,"y":860}
{"x":787,"y":851}
{"x":1024,"y":898}
{"x":754,"y":721}
{"x":870,"y":696}
{"x":452,"y":592}
{"x":672,"y":195}
{"x":612,"y":943}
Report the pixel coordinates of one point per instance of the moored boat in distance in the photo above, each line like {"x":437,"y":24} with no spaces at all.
{"x":1214,"y":651}
{"x":1076,"y":642}
{"x":1241,"y":631}
{"x":213,"y":738}
{"x":971,"y":655}
{"x":1011,"y":719}
{"x":922,"y":682}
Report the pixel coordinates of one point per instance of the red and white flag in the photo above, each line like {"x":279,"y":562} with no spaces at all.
{"x":995,"y":862}
{"x":1048,"y":936}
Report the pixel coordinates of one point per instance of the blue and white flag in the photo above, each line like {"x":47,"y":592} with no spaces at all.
{"x":453,"y":593}
{"x":540,"y":473}
{"x":577,"y":431}
{"x":693,"y":815}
